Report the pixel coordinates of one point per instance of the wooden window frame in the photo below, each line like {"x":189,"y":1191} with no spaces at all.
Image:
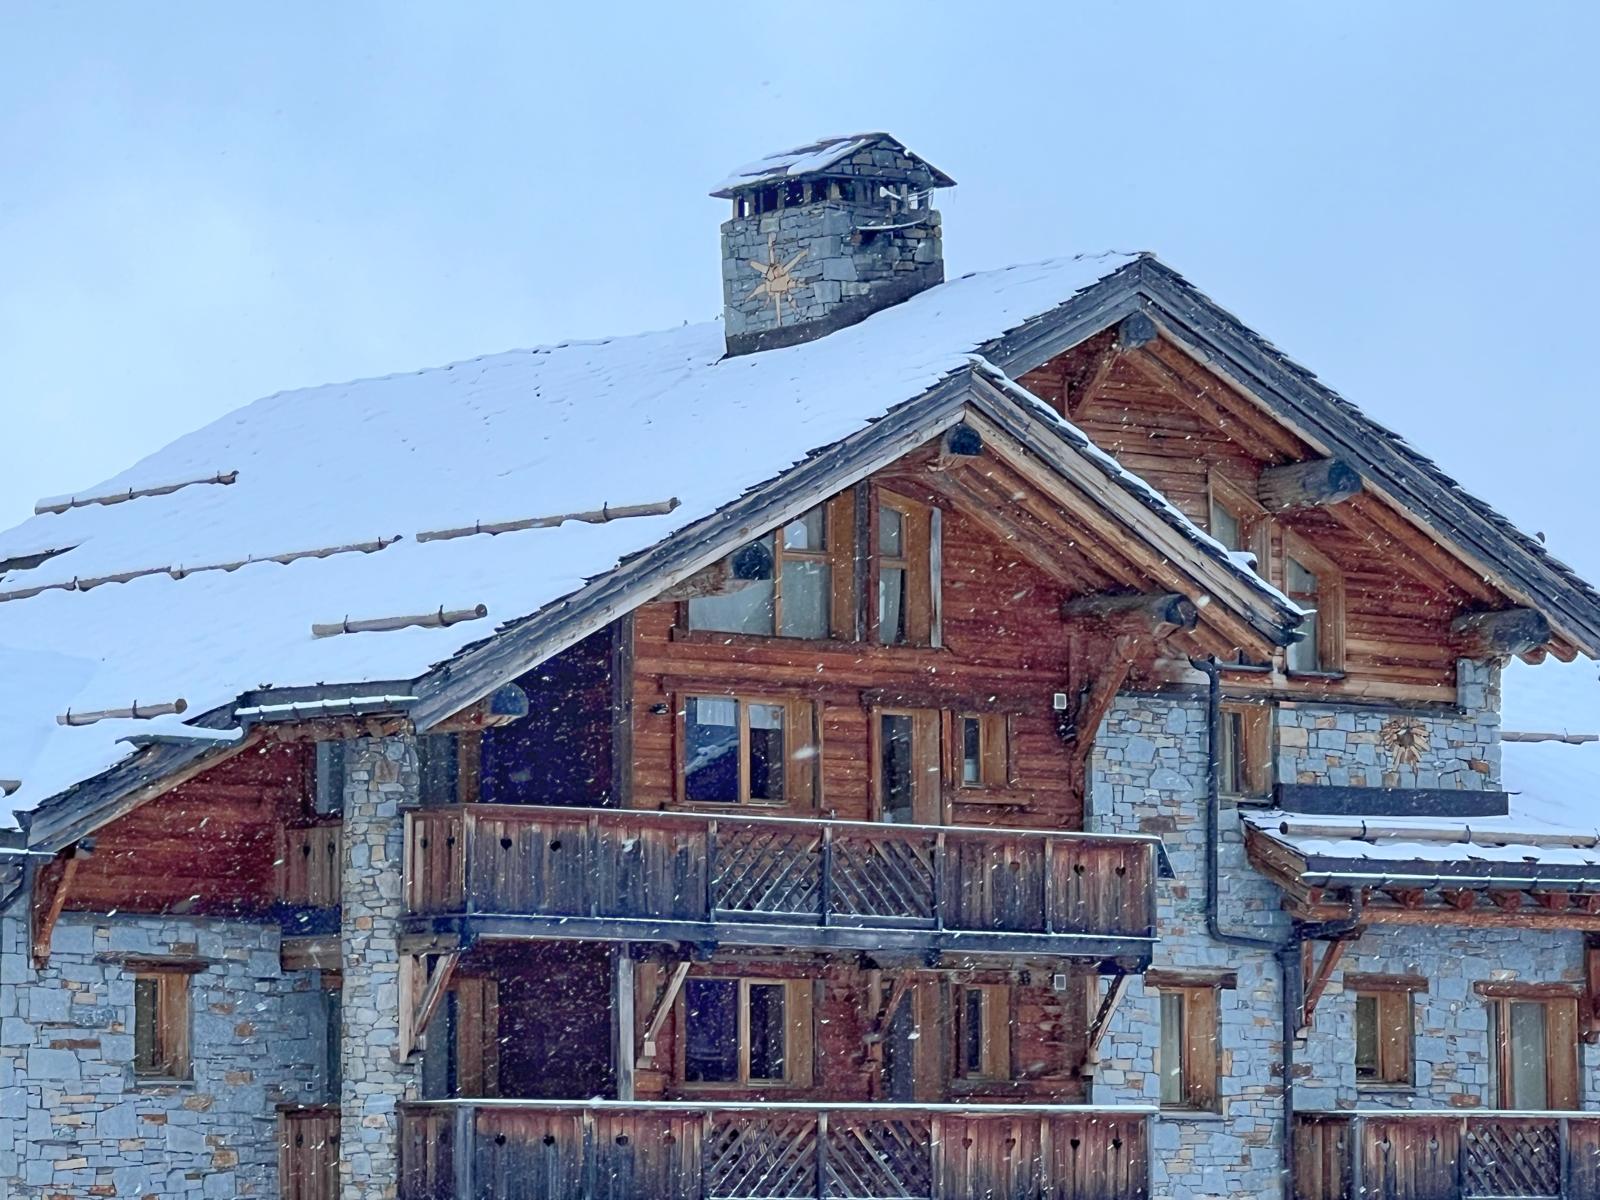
{"x":1255,"y":523}
{"x":838,"y":554}
{"x":994,"y":752}
{"x":466,"y":748}
{"x":171,"y":1020}
{"x":1200,"y":1066}
{"x":925,"y":723}
{"x":799,"y":1049}
{"x":802,"y":746}
{"x":1330,"y":603}
{"x":1395,"y":1000}
{"x":1562,"y":1028}
{"x":1253,"y":744}
{"x":921,"y":558}
{"x":996,"y":1005}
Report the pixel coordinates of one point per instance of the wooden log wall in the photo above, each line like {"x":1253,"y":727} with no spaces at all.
{"x":1004,"y":644}
{"x":1173,"y":423}
{"x":211,"y":846}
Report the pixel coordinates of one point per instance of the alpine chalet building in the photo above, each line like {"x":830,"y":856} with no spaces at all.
{"x":1015,"y":737}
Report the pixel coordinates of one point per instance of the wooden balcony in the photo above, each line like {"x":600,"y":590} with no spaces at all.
{"x":1447,"y":1155}
{"x":629,"y":875}
{"x":616,"y":1150}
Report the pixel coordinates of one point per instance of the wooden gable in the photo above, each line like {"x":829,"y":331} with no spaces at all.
{"x":1203,"y":443}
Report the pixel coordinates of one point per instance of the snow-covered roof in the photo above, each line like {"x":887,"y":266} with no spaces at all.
{"x":812,"y":159}
{"x":1553,"y":821}
{"x":329,"y":487}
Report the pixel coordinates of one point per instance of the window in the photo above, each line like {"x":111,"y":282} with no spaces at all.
{"x":1312,"y":582}
{"x":1238,"y":521}
{"x":1534,"y":1042}
{"x":1384,"y":1034}
{"x":448,"y":767}
{"x":746,"y":1031}
{"x":161,"y":1024}
{"x":1187,"y":1058}
{"x":983,"y":1031}
{"x":794,"y":582}
{"x":1244,"y":750}
{"x":907,"y":754}
{"x":983,"y":742}
{"x":907,"y":541}
{"x":735,"y":751}
{"x":328,"y":788}
{"x":332,"y":1041}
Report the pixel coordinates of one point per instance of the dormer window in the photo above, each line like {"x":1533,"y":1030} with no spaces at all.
{"x":1314,"y":583}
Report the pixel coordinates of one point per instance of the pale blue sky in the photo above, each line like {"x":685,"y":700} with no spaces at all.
{"x":203,"y":203}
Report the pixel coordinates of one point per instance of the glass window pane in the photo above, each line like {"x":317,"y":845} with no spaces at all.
{"x":766,"y":753}
{"x":806,"y":532}
{"x":805,"y":598}
{"x":1225,"y":528}
{"x":1306,"y":654}
{"x":748,"y":610}
{"x":892,"y":606}
{"x":711,"y":1049}
{"x":711,"y":750}
{"x":971,"y":750}
{"x":1529,"y":1086}
{"x":1366,"y":1037}
{"x":972,"y":1032}
{"x":1172,"y":1089}
{"x":891,"y":532}
{"x":1299,"y":580}
{"x":768,"y":1031}
{"x":146,"y":1039}
{"x":898,"y":785}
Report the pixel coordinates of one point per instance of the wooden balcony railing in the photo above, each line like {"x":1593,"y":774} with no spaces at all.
{"x":632,"y":874}
{"x":1447,"y":1155}
{"x":620,"y":1150}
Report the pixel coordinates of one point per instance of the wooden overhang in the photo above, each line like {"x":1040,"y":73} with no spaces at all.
{"x":1445,"y":889}
{"x":1149,"y":312}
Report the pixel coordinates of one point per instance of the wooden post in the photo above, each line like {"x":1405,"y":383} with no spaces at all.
{"x":622,"y":1008}
{"x":822,"y":1154}
{"x":464,"y":1150}
{"x":711,"y":870}
{"x":938,"y":879}
{"x":1049,"y":885}
{"x":824,"y":900}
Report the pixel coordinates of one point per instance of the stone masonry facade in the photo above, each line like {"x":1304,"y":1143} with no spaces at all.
{"x":74,"y":1121}
{"x":380,"y":776}
{"x":1149,"y":776}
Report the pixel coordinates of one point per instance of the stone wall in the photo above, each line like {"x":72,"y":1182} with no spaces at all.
{"x":1149,"y":776}
{"x":1451,"y":1042}
{"x":73,"y":1119}
{"x":1354,"y":747}
{"x":380,"y":776}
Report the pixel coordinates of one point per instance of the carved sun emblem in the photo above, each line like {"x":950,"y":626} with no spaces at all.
{"x":1406,"y":738}
{"x":777,"y":279}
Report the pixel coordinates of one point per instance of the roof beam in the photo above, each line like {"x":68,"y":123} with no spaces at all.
{"x":1315,"y":483}
{"x":1159,"y":614}
{"x":1500,"y":634}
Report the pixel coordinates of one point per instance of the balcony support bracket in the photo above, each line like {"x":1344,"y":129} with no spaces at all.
{"x":658,"y":1014}
{"x":1102,"y":1020}
{"x":1319,"y":982}
{"x":422,"y":991}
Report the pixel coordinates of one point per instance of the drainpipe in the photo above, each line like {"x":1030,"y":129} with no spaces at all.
{"x":1287,"y":952}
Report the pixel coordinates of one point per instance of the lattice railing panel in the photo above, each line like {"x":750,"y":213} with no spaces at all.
{"x":769,"y":871}
{"x":1512,"y":1159}
{"x":882,"y":877}
{"x":879,"y":1160}
{"x":761,"y":1158}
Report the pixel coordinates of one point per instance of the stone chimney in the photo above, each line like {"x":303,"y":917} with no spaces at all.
{"x":825,"y":235}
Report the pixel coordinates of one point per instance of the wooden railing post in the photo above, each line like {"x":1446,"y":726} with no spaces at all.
{"x":1358,"y":1133}
{"x":822,"y":1156}
{"x":469,"y":834}
{"x":938,"y":880}
{"x":711,"y":870}
{"x":464,"y":1151}
{"x":1049,"y":885}
{"x":825,"y":898}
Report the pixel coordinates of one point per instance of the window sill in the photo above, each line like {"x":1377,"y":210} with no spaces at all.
{"x":1317,"y":676}
{"x":1176,"y":1113}
{"x":716,"y":637}
{"x":1386,"y":1089}
{"x":150,"y":1083}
